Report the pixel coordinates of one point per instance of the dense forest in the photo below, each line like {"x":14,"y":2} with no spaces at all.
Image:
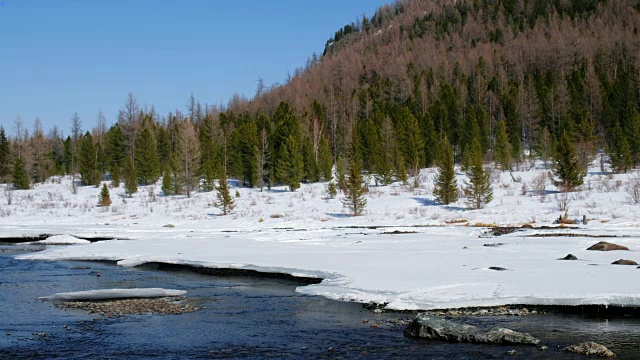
{"x":482,"y":81}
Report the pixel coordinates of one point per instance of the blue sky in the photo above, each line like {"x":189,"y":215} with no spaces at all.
{"x":58,"y":57}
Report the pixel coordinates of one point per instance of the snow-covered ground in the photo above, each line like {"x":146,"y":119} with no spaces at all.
{"x":443,"y":264}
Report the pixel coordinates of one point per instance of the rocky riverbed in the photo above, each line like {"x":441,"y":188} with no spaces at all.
{"x":123,"y":307}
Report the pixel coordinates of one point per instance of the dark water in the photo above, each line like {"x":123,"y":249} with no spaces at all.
{"x":248,"y":319}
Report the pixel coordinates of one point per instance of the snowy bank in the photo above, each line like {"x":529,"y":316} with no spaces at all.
{"x":437,"y":267}
{"x":62,"y":240}
{"x":109,"y":294}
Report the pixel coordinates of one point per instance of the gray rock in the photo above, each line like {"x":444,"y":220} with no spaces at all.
{"x":497,"y":268}
{"x":590,"y":348}
{"x":624,"y":262}
{"x":606,"y":246}
{"x":435,"y":328}
{"x":543,"y":348}
{"x":169,"y":226}
{"x":569,"y":257}
{"x":512,"y":353}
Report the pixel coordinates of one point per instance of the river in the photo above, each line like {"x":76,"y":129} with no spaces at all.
{"x":246,"y":318}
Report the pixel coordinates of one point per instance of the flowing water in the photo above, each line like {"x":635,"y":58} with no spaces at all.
{"x":246,"y":318}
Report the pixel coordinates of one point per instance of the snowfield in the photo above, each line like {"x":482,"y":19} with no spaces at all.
{"x":406,"y":250}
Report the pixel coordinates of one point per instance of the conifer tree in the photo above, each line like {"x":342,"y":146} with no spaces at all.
{"x":387,"y":153}
{"x":502,"y":148}
{"x":566,"y":165}
{"x":5,"y":156}
{"x":331,"y":190}
{"x":634,"y":137}
{"x":20,"y":178}
{"x":619,"y":151}
{"x":87,"y":160}
{"x":147,"y":161}
{"x":225,"y":202}
{"x":311,"y":171}
{"x":431,"y":140}
{"x":446,"y":186}
{"x":478,"y":188}
{"x":167,"y":181}
{"x":115,"y":176}
{"x":104,"y":199}
{"x":289,"y":167}
{"x":130,"y":177}
{"x":340,"y":175}
{"x":354,"y":190}
{"x":208,"y":155}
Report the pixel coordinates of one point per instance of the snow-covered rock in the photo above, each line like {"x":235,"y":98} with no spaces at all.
{"x":63,"y":240}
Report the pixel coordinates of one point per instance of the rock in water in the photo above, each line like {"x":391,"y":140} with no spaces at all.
{"x":590,"y":348}
{"x":624,"y":262}
{"x":497,"y":268}
{"x":569,"y":257}
{"x":427,"y":327}
{"x":606,"y":246}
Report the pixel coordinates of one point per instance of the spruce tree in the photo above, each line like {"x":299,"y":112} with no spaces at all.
{"x":311,"y":170}
{"x":502,"y":148}
{"x":167,"y":181}
{"x":147,"y":160}
{"x":87,"y":160}
{"x":566,"y":165}
{"x":208,"y":159}
{"x":354,"y":190}
{"x":225,"y":202}
{"x":619,"y":150}
{"x":104,"y":199}
{"x":478,"y":188}
{"x":325,"y":159}
{"x":431,"y":140}
{"x":446,"y":186}
{"x":115,"y":176}
{"x":340,"y":175}
{"x":20,"y":178}
{"x":289,"y":167}
{"x":5,"y":156}
{"x":130,"y":177}
{"x":331,"y":190}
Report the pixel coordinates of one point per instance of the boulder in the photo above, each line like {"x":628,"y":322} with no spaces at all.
{"x":606,"y":246}
{"x":569,"y":257}
{"x":624,"y":262}
{"x":590,"y":348}
{"x":424,"y":326}
{"x":497,"y":268}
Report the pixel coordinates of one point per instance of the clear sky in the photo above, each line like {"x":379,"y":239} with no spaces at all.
{"x":58,"y":57}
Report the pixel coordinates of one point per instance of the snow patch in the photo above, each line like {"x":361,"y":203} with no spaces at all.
{"x":109,"y":294}
{"x":62,"y":240}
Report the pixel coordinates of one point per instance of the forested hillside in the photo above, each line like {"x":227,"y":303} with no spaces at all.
{"x":508,"y":80}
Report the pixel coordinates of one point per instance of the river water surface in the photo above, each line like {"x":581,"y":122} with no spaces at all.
{"x":246,"y":318}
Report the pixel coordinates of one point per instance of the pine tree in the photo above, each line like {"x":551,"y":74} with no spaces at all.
{"x":20,"y":178}
{"x":566,"y":165}
{"x":386,"y":154}
{"x":5,"y":156}
{"x":354,"y":190}
{"x":446,"y":186}
{"x":311,"y":171}
{"x":225,"y":202}
{"x":478,"y":188}
{"x":331,"y":190}
{"x":104,"y":199}
{"x":130,"y":177}
{"x":289,"y":167}
{"x":431,"y":140}
{"x":115,"y":176}
{"x":167,"y":181}
{"x":87,"y":160}
{"x":340,"y":175}
{"x":619,"y":150}
{"x":502,"y":149}
{"x":147,"y":161}
{"x":208,"y":158}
